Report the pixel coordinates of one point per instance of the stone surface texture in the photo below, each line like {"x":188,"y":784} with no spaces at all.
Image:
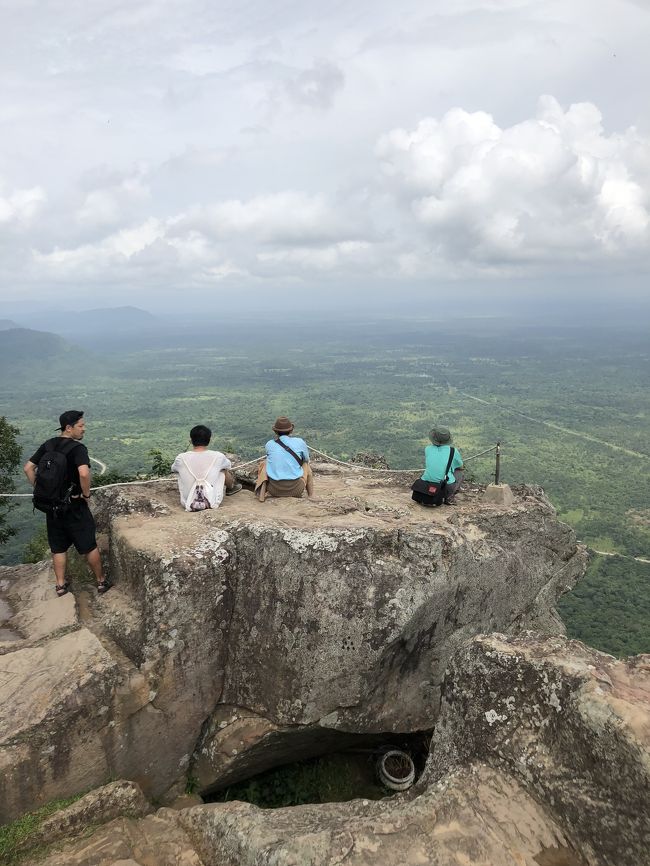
{"x":30,"y":594}
{"x":475,"y":816}
{"x":117,"y":799}
{"x":237,"y":638}
{"x":570,"y":724}
{"x":54,"y":700}
{"x":156,"y":840}
{"x":539,"y":758}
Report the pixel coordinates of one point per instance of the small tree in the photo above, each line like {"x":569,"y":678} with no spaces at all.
{"x":160,"y":465}
{"x":9,"y":459}
{"x":37,"y":548}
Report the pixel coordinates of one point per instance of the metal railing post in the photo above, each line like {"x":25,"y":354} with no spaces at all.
{"x":497,"y":468}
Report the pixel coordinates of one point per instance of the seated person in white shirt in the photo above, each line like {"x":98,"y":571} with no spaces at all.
{"x":203,"y":474}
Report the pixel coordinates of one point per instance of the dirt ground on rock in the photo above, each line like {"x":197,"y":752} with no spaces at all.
{"x":340,"y":502}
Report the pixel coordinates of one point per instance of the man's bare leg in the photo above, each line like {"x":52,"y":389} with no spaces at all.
{"x":231,"y":484}
{"x":94,"y":560}
{"x":260,"y":484}
{"x":309,"y":480}
{"x":59,"y":561}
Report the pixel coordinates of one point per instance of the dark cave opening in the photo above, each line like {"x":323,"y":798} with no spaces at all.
{"x":335,"y":776}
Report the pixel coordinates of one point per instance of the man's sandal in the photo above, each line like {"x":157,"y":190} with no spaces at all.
{"x":104,"y":586}
{"x":62,"y":589}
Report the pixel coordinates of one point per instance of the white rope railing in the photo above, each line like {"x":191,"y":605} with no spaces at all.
{"x":125,"y":483}
{"x":359,"y":467}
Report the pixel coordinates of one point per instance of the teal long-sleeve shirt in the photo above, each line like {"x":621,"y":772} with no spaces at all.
{"x":436,"y":457}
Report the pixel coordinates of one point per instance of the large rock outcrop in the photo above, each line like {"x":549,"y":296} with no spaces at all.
{"x":540,"y":757}
{"x":570,"y":723}
{"x":475,"y":817}
{"x":237,"y":639}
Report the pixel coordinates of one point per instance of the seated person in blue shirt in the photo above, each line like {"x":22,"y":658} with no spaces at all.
{"x":436,"y":457}
{"x":285,"y":471}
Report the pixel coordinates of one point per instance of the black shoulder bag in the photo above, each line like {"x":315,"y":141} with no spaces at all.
{"x":432,"y":493}
{"x":291,"y":451}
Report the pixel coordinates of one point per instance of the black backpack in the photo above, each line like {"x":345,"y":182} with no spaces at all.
{"x":53,"y":486}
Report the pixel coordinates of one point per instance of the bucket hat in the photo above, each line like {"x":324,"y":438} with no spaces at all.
{"x":282,"y":425}
{"x":440,"y":436}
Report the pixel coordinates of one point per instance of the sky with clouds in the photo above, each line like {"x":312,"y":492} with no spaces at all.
{"x":158,"y":150}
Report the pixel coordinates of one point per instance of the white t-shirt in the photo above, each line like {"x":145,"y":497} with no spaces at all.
{"x":206,"y":465}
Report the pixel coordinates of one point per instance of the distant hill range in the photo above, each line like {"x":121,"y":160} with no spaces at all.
{"x":81,"y":324}
{"x":23,"y":345}
{"x":28,"y":355}
{"x":115,"y":317}
{"x":6,"y":324}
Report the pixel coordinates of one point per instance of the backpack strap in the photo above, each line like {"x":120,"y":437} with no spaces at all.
{"x":452,"y":451}
{"x":300,"y":460}
{"x":205,"y":477}
{"x":67,"y":446}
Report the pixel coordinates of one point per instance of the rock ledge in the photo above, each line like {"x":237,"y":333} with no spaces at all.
{"x":237,"y":639}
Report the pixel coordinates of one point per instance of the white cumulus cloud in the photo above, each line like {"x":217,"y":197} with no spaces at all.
{"x":553,"y":187}
{"x":344,"y":256}
{"x":109,"y":200}
{"x":163,"y":146}
{"x":286,"y":218}
{"x":113,"y":250}
{"x":20,"y":205}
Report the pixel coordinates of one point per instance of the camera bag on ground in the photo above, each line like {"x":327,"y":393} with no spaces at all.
{"x":53,"y":486}
{"x":432,"y":493}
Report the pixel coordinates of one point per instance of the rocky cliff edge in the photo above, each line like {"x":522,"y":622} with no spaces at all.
{"x":247,"y":636}
{"x":540,"y":757}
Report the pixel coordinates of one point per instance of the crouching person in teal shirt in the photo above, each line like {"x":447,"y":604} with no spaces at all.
{"x":436,"y":457}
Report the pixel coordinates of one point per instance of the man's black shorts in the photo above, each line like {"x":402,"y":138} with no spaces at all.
{"x":76,"y":527}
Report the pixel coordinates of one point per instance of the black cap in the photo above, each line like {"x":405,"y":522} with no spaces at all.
{"x":69,"y":418}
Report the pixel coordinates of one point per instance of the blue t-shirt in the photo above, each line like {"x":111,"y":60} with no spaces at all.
{"x":280,"y":465}
{"x":436,"y":457}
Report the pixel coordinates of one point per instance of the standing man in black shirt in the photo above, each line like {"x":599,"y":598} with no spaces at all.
{"x":75,"y":526}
